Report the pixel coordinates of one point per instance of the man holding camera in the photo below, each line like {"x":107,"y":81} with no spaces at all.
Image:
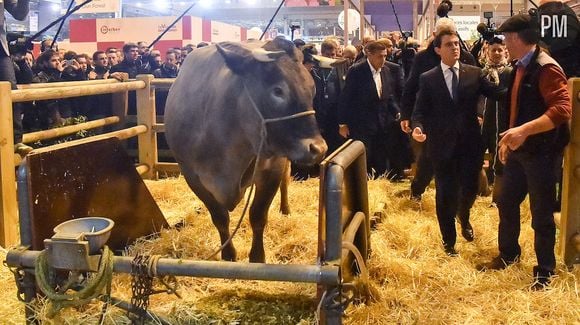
{"x":535,"y":132}
{"x":18,"y":9}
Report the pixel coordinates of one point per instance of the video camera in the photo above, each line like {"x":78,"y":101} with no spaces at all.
{"x":444,"y":8}
{"x":18,"y":43}
{"x":488,"y":31}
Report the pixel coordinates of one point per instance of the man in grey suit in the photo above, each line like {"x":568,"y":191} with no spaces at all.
{"x":19,"y":10}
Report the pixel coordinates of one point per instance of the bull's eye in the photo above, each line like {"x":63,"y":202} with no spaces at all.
{"x":278,"y":92}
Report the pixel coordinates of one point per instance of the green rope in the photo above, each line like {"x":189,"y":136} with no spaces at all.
{"x":57,"y":301}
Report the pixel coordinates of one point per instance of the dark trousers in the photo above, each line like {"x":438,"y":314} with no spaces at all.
{"x":7,"y":74}
{"x":526,"y":173}
{"x":376,"y":150}
{"x":456,"y":185}
{"x":423,"y":171}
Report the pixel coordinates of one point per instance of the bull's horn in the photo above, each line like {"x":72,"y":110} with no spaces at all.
{"x":264,"y":55}
{"x":325,"y":62}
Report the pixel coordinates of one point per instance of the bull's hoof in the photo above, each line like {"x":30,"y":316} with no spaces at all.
{"x":285,"y":210}
{"x":257,"y":256}
{"x":229,"y":254}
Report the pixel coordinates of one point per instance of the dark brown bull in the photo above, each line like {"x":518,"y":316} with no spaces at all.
{"x":230,"y":103}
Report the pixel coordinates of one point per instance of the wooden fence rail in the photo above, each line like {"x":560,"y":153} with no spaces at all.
{"x":146,"y":130}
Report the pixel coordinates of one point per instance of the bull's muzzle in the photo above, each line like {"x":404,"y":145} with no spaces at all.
{"x":313,"y":151}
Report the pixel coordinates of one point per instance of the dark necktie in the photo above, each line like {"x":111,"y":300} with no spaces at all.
{"x":454,"y":84}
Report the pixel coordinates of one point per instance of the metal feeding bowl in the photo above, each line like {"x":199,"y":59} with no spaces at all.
{"x":95,"y":230}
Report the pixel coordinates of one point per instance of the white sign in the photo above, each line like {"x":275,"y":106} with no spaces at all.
{"x":99,"y":6}
{"x":353,"y":20}
{"x":466,"y":26}
{"x":136,"y":29}
{"x":33,"y":21}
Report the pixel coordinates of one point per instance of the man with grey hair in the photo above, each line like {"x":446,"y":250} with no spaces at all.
{"x":424,"y":61}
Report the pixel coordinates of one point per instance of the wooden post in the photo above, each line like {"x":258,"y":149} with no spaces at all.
{"x":147,"y":142}
{"x":8,"y":204}
{"x":120,"y":106}
{"x":570,"y":217}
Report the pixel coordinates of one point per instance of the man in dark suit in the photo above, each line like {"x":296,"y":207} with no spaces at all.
{"x":423,"y":61}
{"x":445,"y":115}
{"x":18,"y":9}
{"x":368,"y":104}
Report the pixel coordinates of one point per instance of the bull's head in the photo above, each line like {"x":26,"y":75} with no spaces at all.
{"x":276,"y":83}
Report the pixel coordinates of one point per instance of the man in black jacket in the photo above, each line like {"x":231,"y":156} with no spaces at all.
{"x":368,"y":105}
{"x":446,"y":116}
{"x":424,"y":61}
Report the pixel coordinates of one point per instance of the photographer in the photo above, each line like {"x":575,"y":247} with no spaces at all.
{"x":18,"y":9}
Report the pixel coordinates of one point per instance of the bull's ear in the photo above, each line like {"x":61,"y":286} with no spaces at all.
{"x":264,"y":55}
{"x":237,"y":58}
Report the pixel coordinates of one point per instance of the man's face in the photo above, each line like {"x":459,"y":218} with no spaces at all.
{"x":83,"y":63}
{"x":101,"y":60}
{"x":155,"y":53}
{"x":512,"y":43}
{"x":449,"y":50}
{"x":377,"y":58}
{"x":331,"y":53}
{"x":133,"y":54}
{"x":113,"y":59}
{"x":389,"y":49}
{"x":143,"y":48}
{"x":496,"y":53}
{"x":170,"y":59}
{"x":54,"y":62}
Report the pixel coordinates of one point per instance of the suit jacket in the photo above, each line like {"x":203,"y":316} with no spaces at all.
{"x":360,"y":107}
{"x":451,"y":125}
{"x":423,"y":61}
{"x":18,"y":9}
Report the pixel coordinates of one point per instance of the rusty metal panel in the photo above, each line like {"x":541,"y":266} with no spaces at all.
{"x":91,"y":179}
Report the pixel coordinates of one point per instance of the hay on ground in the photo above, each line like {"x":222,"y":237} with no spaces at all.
{"x":416,"y":282}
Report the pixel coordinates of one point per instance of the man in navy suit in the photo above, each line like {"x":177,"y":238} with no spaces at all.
{"x":369,"y":104}
{"x":445,"y":116}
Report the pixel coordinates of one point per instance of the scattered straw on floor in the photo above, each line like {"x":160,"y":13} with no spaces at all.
{"x":416,"y":282}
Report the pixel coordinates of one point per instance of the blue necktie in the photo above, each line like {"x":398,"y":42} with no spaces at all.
{"x":454,"y":84}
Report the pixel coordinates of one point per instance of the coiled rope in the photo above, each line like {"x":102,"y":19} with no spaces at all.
{"x":93,"y":288}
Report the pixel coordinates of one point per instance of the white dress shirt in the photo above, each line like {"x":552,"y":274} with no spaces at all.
{"x":377,"y":78}
{"x":449,"y":77}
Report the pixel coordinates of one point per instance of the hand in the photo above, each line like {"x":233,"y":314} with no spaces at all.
{"x":75,"y":65}
{"x":418,"y":135}
{"x":503,"y":153}
{"x":513,"y":138}
{"x":121,"y":76}
{"x":344,"y":131}
{"x":405,"y":126}
{"x":480,"y":121}
{"x":92,"y":75}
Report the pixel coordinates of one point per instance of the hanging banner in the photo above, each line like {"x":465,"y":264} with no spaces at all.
{"x":466,"y":26}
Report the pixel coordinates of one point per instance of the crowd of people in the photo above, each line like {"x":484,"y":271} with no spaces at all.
{"x":440,"y":107}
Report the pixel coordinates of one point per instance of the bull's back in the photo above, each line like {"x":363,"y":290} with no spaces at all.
{"x":190,"y":97}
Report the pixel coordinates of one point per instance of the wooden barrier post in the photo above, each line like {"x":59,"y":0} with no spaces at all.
{"x":119,"y":107}
{"x":570,"y":217}
{"x":8,"y":203}
{"x":146,"y":116}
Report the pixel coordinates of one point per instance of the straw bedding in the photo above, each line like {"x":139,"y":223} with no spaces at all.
{"x":414,"y":281}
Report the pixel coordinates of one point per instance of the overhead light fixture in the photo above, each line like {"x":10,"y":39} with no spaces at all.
{"x":206,"y":3}
{"x":55,"y":7}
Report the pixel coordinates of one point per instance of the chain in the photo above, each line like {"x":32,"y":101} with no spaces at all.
{"x":141,"y":288}
{"x":18,"y":273}
{"x":143,"y":271}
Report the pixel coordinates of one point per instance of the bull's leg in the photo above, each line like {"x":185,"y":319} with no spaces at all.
{"x":219,"y":215}
{"x":266,"y":187}
{"x":286,"y":178}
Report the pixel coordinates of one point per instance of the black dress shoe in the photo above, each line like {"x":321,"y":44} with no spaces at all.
{"x":497,"y":263}
{"x":541,"y":279}
{"x":467,"y":231}
{"x":450,"y":250}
